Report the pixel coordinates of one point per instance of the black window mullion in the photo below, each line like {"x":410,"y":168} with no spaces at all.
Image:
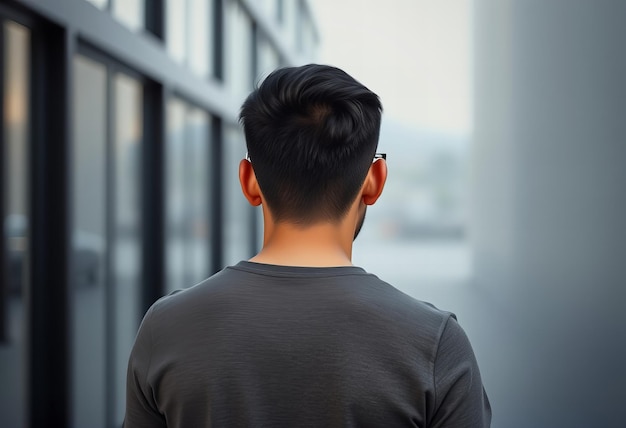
{"x":218,"y":39}
{"x":216,"y":195}
{"x":48,"y":302}
{"x":153,"y":194}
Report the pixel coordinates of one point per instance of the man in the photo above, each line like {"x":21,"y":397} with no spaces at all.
{"x":297,"y":336}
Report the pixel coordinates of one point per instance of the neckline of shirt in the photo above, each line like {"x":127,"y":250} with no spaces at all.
{"x":283,"y":270}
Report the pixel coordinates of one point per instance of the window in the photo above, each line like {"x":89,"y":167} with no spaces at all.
{"x":118,"y":179}
{"x":188,"y":184}
{"x":238,"y":50}
{"x":106,"y":236}
{"x":190,"y":35}
{"x":126,"y":221}
{"x":89,"y":241}
{"x":15,"y":241}
{"x":267,"y":57}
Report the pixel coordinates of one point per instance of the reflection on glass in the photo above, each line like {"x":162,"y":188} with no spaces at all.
{"x":200,"y":25}
{"x":89,"y":242}
{"x":268,"y":58}
{"x":100,"y":4}
{"x":175,"y":26}
{"x":237,"y":210}
{"x":198,"y":185}
{"x":290,"y":22}
{"x":238,"y":50}
{"x":190,"y":33}
{"x":187,"y":195}
{"x":175,"y":194}
{"x":126,"y":245}
{"x":129,"y":12}
{"x":15,"y":219}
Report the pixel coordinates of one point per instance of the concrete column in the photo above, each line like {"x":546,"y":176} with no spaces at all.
{"x":549,"y":207}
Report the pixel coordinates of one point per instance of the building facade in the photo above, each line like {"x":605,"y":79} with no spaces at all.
{"x":118,"y":179}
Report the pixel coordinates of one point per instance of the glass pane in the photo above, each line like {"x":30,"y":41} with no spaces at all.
{"x":190,"y":34}
{"x":130,"y":12}
{"x":100,"y":4}
{"x":237,"y":210}
{"x":267,"y":57}
{"x":126,"y":245}
{"x":200,"y":27}
{"x":175,"y":25}
{"x":175,"y":195}
{"x":89,"y":242}
{"x":198,"y":188}
{"x":15,"y":218}
{"x":188,"y":194}
{"x":238,"y":50}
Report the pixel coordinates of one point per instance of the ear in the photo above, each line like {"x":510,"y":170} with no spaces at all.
{"x":249,"y":184}
{"x":374,"y":182}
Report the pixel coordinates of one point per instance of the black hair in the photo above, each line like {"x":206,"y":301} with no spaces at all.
{"x":311,"y":133}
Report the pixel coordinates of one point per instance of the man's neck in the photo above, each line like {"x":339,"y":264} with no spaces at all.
{"x":320,"y":245}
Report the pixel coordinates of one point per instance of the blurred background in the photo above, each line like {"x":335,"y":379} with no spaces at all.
{"x":505,"y":129}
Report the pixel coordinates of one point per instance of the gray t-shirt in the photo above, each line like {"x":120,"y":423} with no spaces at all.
{"x":260,"y":345}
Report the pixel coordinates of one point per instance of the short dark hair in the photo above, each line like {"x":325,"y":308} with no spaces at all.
{"x":311,"y":133}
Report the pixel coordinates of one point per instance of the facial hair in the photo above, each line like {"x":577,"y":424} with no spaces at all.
{"x":359,"y":225}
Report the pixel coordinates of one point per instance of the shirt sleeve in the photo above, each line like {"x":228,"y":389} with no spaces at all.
{"x":460,"y":398}
{"x":141,"y":407}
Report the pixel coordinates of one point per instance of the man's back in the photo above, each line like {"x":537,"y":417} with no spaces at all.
{"x":298,"y":336}
{"x":266,"y":345}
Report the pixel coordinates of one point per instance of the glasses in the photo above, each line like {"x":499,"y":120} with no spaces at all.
{"x":376,"y":157}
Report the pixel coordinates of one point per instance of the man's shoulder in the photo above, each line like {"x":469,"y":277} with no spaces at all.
{"x":352,"y":291}
{"x":408,"y":311}
{"x":389,"y":294}
{"x":193,"y":294}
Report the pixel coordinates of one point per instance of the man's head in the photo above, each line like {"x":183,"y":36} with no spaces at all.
{"x":311,"y":134}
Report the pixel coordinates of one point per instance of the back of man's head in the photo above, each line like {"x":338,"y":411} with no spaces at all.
{"x":311,"y":134}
